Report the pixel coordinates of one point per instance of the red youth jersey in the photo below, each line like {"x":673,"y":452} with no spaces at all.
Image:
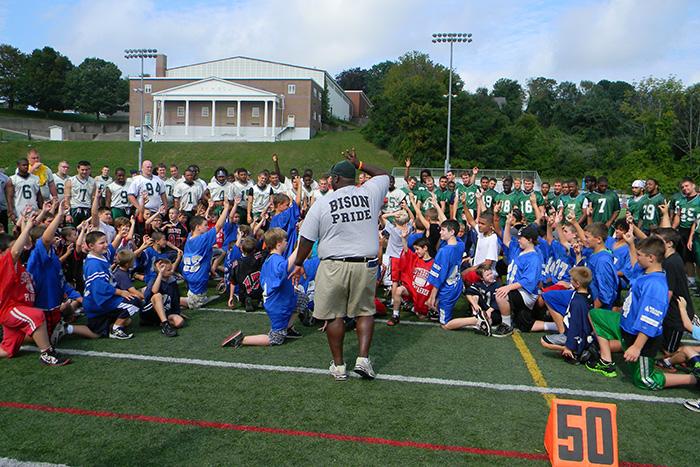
{"x":414,"y":276}
{"x":16,"y":285}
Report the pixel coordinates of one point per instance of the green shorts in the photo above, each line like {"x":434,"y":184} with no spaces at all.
{"x":606,"y":324}
{"x":696,"y":248}
{"x":119,"y":212}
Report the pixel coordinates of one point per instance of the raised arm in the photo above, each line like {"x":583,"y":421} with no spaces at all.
{"x":95,"y":208}
{"x":419,"y":214}
{"x":665,"y":220}
{"x":224,"y":214}
{"x":371,"y":170}
{"x":23,"y":239}
{"x":406,"y":172}
{"x":50,"y":232}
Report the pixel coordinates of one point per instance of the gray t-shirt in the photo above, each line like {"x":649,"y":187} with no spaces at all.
{"x":3,"y":181}
{"x":345,"y":222}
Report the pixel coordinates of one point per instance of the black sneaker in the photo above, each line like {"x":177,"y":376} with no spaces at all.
{"x":293,"y":333}
{"x":503,"y":330}
{"x":433,"y":315}
{"x":249,"y":305}
{"x":393,"y":321}
{"x":120,"y":333}
{"x":482,"y":323}
{"x":51,"y":358}
{"x":349,"y":324}
{"x":167,"y":330}
{"x":234,"y":340}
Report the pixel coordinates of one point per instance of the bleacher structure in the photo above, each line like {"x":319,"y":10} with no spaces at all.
{"x":498,"y":174}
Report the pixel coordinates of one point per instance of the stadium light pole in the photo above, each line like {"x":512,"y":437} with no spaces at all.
{"x":140,"y":54}
{"x":450,"y":38}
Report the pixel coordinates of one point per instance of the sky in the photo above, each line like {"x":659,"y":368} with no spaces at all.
{"x":571,"y":40}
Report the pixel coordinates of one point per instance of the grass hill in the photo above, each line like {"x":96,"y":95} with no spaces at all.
{"x":318,"y":153}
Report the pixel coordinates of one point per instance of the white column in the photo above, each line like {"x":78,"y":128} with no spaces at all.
{"x":187,"y":117}
{"x":154,"y":119}
{"x":274,"y":117}
{"x":265,"y":124}
{"x":161,"y":125}
{"x":238,"y":119}
{"x":213,"y":117}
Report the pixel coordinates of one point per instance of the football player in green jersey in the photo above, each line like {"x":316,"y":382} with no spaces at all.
{"x":605,"y":203}
{"x":488,"y":195}
{"x":649,"y":206}
{"x":573,"y":202}
{"x":550,"y":199}
{"x":530,"y":210}
{"x":506,"y":201}
{"x":634,"y":204}
{"x":591,"y":183}
{"x":687,"y":213}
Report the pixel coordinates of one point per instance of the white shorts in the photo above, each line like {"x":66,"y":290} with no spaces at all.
{"x":196,"y":300}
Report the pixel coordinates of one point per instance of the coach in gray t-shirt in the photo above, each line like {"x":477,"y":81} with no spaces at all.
{"x":345,"y":224}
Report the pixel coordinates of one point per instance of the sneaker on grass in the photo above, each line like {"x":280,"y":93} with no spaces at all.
{"x":58,"y":332}
{"x":234,"y":340}
{"x":482,"y":323}
{"x":363,"y":367}
{"x":393,"y":321}
{"x":338,"y":371}
{"x":693,"y":405}
{"x":51,"y":358}
{"x":120,"y":333}
{"x":167,"y":330}
{"x":606,"y":369}
{"x":503,"y":330}
{"x":293,"y":333}
{"x":555,"y":339}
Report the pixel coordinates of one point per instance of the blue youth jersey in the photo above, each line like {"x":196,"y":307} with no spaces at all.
{"x":444,"y":274}
{"x":621,"y":256}
{"x":279,"y":299}
{"x":578,"y":328}
{"x":604,"y":285}
{"x":196,"y":261}
{"x":148,"y":260}
{"x":648,"y":306}
{"x":99,"y":297}
{"x":526,"y":270}
{"x":561,"y":261}
{"x":49,"y":281}
{"x":287,"y":221}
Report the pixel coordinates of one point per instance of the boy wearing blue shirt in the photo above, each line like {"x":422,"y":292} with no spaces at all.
{"x":516,"y":300}
{"x":600,"y":261}
{"x":108,"y":308}
{"x":638,"y":329}
{"x":444,"y":275}
{"x":197,"y":257}
{"x":278,"y":295}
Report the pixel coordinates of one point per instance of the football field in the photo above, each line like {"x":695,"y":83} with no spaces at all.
{"x":440,"y":397}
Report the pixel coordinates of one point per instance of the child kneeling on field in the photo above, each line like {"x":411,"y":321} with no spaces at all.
{"x":279,"y":296}
{"x":638,"y":329}
{"x":578,"y":334}
{"x":162,"y":300}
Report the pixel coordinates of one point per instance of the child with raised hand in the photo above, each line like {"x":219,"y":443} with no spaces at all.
{"x":414,"y":267}
{"x":108,"y":308}
{"x":444,"y":274}
{"x":577,"y":333}
{"x":18,"y":317}
{"x":280,"y":298}
{"x":162,"y":299}
{"x":638,"y":329}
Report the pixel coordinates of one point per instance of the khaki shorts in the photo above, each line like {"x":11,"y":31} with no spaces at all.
{"x":344,"y":289}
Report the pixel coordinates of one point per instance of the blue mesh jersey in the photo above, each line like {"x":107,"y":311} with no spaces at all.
{"x":49,"y":282}
{"x":444,"y":274}
{"x":196,"y":261}
{"x":148,"y":259}
{"x":604,"y":285}
{"x":648,"y":305}
{"x":279,"y":298}
{"x":100,"y":287}
{"x":621,"y":256}
{"x":287,"y":221}
{"x":561,"y":261}
{"x":526,"y":270}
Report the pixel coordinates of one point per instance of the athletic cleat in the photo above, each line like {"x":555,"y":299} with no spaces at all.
{"x":167,"y":330}
{"x":51,"y":358}
{"x":555,"y":339}
{"x":120,"y":334}
{"x":663,"y":365}
{"x":696,"y":320}
{"x":58,"y":332}
{"x":338,"y":371}
{"x":293,"y":333}
{"x":693,"y":405}
{"x":363,"y":367}
{"x":393,"y":321}
{"x":482,"y":323}
{"x":235,"y":340}
{"x":503,"y":330}
{"x":606,"y":369}
{"x":433,"y":315}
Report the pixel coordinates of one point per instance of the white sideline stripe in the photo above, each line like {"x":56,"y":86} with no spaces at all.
{"x":382,"y":377}
{"x":7,"y":462}
{"x":225,"y":310}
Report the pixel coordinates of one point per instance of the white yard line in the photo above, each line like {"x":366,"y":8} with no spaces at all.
{"x":382,"y":377}
{"x":7,"y":462}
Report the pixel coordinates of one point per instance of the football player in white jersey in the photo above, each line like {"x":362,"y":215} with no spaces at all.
{"x":151,"y":185}
{"x":258,"y":197}
{"x":22,"y":191}
{"x":79,"y":191}
{"x":48,"y":189}
{"x":162,"y":172}
{"x":60,"y":177}
{"x":187,"y":194}
{"x":118,"y":195}
{"x":220,"y":188}
{"x":103,"y":181}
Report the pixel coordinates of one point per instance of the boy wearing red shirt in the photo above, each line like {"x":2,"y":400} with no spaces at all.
{"x":18,"y":317}
{"x":414,"y":268}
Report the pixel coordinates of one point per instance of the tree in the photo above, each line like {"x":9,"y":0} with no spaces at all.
{"x":12,"y":62}
{"x":541,"y":96}
{"x":43,"y":80}
{"x":354,"y":79}
{"x":375,"y":78}
{"x":95,"y":86}
{"x":514,"y":94}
